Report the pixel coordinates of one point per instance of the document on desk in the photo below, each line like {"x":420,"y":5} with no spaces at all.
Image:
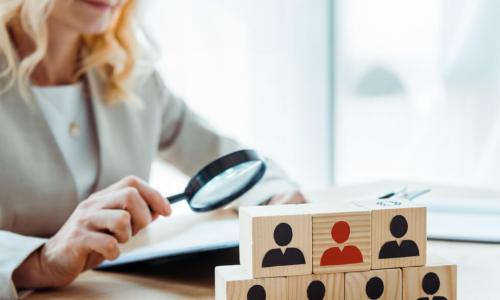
{"x":460,"y":218}
{"x":178,"y":235}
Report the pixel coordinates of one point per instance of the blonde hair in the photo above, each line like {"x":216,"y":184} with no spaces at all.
{"x":113,"y":53}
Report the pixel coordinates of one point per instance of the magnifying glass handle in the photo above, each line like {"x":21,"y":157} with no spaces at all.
{"x":176,"y":198}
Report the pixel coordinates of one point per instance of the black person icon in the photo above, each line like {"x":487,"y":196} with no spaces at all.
{"x":276,"y":257}
{"x":431,"y":285}
{"x":316,"y":290}
{"x":374,"y":288}
{"x":256,"y":292}
{"x":393,"y":249}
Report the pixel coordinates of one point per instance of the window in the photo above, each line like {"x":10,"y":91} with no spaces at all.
{"x":257,"y":70}
{"x":417,"y":93}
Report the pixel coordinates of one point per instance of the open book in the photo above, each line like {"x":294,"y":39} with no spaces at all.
{"x":180,"y":234}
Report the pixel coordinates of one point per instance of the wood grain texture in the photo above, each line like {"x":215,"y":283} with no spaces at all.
{"x":360,"y":237}
{"x":233,"y":283}
{"x":355,"y":284}
{"x":416,"y":218}
{"x":333,"y":283}
{"x":413,"y":281}
{"x":257,"y":227}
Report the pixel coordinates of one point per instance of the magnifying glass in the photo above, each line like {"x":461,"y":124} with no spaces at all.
{"x":223,"y":181}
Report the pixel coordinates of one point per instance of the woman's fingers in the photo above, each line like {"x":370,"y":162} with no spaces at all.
{"x":130,"y":200}
{"x":118,"y":222}
{"x":104,"y":244}
{"x":152,"y":197}
{"x":94,"y":230}
{"x":93,"y":260}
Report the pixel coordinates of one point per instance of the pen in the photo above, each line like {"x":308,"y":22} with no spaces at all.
{"x":404,"y":194}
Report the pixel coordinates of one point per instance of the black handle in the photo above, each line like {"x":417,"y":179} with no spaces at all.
{"x":176,"y":198}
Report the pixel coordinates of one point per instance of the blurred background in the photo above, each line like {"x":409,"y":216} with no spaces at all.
{"x":341,"y":91}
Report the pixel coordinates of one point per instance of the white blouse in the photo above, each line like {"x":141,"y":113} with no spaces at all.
{"x":68,"y":115}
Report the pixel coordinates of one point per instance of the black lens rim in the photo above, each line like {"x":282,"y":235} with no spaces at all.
{"x":219,"y":166}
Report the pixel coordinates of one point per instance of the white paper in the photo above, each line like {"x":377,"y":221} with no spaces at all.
{"x":467,"y":218}
{"x":181,"y":234}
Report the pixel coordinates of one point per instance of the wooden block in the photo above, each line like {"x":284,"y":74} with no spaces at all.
{"x":437,"y":280}
{"x":376,"y":284}
{"x":234,"y":283}
{"x":341,"y":239}
{"x":276,"y":240}
{"x":316,"y":287}
{"x":399,"y":233}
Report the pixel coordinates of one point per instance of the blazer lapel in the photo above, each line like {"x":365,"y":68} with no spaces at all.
{"x":127,"y":136}
{"x":96,"y":91}
{"x":38,"y":189}
{"x":48,"y":136}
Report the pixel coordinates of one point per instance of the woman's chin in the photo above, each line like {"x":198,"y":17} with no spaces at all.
{"x":92,"y":29}
{"x":86,"y":21}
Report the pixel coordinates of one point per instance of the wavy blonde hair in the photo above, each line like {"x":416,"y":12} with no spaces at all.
{"x":112,"y":53}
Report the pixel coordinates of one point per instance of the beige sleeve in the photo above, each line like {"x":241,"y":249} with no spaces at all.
{"x":15,"y":249}
{"x":188,"y":142}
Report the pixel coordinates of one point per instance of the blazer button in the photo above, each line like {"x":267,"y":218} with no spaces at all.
{"x":74,"y":129}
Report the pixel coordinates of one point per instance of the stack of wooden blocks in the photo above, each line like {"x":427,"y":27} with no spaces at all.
{"x":364,"y":250}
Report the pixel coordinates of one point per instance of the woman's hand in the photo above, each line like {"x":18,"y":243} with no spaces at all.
{"x":92,"y":233}
{"x":295,"y":197}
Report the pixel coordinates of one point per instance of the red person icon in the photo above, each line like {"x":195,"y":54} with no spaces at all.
{"x":335,"y":255}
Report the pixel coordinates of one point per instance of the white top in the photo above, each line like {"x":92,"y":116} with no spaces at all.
{"x":68,"y":115}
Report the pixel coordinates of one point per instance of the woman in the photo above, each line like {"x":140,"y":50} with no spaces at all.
{"x":81,"y":124}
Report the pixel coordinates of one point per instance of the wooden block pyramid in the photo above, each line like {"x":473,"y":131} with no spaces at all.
{"x":363,"y":250}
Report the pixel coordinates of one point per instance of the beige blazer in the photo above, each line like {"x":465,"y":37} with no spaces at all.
{"x":37,"y":190}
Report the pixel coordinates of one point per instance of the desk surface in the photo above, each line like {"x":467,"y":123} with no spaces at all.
{"x":477,"y":279}
{"x":478,"y":265}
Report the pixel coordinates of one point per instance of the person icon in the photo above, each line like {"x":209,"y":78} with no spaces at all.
{"x":276,"y":257}
{"x":256,"y":292}
{"x":393,"y":249}
{"x":316,"y":290}
{"x":337,"y":256}
{"x":431,"y":285}
{"x":374,"y":288}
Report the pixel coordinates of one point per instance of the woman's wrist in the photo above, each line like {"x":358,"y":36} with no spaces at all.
{"x":30,"y":274}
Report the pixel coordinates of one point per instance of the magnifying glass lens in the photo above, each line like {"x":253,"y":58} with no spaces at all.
{"x":226,"y":184}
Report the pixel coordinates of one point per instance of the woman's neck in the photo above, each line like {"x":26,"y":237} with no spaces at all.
{"x":61,"y":61}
